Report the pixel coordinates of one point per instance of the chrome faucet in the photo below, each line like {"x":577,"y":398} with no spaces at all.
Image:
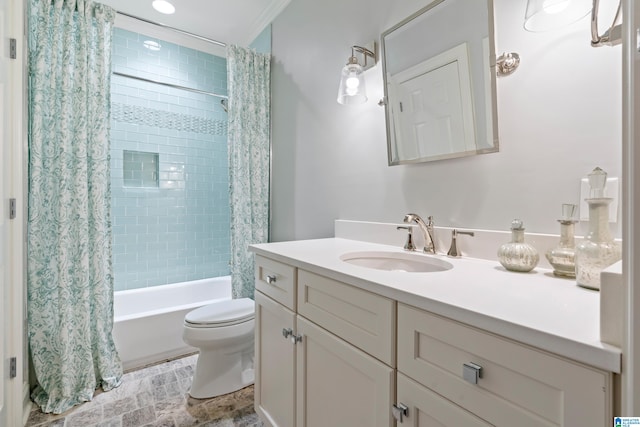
{"x":426,"y":228}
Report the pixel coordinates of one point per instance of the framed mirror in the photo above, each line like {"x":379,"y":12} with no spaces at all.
{"x":440,"y":83}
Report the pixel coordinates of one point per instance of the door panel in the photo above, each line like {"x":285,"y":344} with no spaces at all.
{"x":274,"y":387}
{"x":338,"y":384}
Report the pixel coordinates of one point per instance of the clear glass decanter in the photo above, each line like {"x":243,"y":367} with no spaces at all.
{"x":598,"y":250}
{"x":563,"y":257}
{"x":518,"y":255}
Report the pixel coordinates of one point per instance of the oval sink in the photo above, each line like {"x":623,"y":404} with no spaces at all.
{"x":396,"y":261}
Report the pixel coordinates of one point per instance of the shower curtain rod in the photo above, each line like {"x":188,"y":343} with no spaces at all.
{"x":186,"y":33}
{"x":190,"y":89}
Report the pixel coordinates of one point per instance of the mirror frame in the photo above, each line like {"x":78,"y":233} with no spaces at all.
{"x":493,"y":89}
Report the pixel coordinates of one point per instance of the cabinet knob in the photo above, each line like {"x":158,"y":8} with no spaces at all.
{"x":271,"y":279}
{"x":399,"y":410}
{"x":286,"y":332}
{"x":471,"y":372}
{"x":295,"y":339}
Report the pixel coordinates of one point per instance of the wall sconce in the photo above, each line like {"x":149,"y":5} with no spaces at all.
{"x":613,"y":35}
{"x":545,"y":15}
{"x":352,"y":88}
{"x":507,"y":63}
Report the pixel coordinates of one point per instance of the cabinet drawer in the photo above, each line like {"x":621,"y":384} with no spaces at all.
{"x":359,"y":317}
{"x":518,"y":385}
{"x":276,"y":280}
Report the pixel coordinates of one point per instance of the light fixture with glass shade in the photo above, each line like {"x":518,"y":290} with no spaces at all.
{"x":546,"y":15}
{"x":352,"y":84}
{"x":163,"y":6}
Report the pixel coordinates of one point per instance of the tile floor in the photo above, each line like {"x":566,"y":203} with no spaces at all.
{"x":156,"y":396}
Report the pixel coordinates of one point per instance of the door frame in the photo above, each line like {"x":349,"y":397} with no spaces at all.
{"x":630,"y":399}
{"x":17,"y":403}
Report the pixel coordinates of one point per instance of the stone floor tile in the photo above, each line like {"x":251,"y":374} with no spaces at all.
{"x":184,"y":372}
{"x":145,"y":398}
{"x":156,"y":396}
{"x":139,"y":417}
{"x":59,"y":422}
{"x":173,"y":389}
{"x":168,"y":407}
{"x":184,"y":419}
{"x":119,"y":407}
{"x":159,"y":393}
{"x":84,"y":418}
{"x":163,"y":378}
{"x":112,"y":422}
{"x":163,"y":422}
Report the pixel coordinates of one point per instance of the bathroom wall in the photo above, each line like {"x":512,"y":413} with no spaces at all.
{"x":262,"y":43}
{"x":559,"y":117}
{"x":170,"y":203}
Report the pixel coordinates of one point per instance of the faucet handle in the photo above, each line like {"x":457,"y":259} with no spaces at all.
{"x":453,"y":250}
{"x":409,"y":246}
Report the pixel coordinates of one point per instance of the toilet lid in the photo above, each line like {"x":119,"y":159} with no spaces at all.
{"x":222,"y":313}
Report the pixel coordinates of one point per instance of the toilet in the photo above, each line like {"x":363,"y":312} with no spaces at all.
{"x":223,"y":332}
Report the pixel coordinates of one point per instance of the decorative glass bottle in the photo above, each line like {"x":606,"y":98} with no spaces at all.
{"x":598,"y":250}
{"x":518,"y":255}
{"x":563,"y":257}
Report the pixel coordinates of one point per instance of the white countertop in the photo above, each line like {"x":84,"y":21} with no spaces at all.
{"x":534,"y":308}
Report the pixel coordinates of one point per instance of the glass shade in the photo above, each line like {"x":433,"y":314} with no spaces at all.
{"x":545,"y":15}
{"x":163,"y":6}
{"x":352,"y":85}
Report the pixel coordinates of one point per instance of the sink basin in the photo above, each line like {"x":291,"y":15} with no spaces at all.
{"x":396,"y":261}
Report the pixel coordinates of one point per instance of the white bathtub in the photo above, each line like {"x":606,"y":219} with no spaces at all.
{"x":148,"y":322}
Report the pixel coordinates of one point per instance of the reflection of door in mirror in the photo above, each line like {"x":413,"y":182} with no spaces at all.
{"x":435,"y":106}
{"x":439,"y":75}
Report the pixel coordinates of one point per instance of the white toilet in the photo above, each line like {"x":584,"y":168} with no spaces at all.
{"x":223,"y":331}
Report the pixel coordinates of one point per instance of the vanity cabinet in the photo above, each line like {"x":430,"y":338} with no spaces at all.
{"x":332,"y":354}
{"x":307,"y":372}
{"x":499,"y":381}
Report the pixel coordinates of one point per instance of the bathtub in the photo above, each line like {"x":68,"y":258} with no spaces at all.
{"x":148,"y":322}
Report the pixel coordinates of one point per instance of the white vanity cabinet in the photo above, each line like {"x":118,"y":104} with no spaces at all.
{"x":308,"y":373}
{"x":333,"y":354}
{"x":499,"y":381}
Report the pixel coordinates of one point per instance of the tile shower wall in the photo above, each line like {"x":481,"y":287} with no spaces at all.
{"x":169,"y":173}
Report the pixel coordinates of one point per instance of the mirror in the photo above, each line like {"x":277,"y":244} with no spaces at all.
{"x":440,"y":83}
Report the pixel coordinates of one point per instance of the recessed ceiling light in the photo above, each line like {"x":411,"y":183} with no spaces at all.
{"x":151,"y":45}
{"x":163,"y":6}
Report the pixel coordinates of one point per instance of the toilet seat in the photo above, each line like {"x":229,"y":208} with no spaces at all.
{"x":222,"y":313}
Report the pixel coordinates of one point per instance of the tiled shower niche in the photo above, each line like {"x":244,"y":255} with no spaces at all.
{"x":174,"y":226}
{"x":139,"y":169}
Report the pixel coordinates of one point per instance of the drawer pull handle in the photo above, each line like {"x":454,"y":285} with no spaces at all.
{"x":271,"y":279}
{"x":471,"y":372}
{"x":399,"y":410}
{"x":287,"y":332}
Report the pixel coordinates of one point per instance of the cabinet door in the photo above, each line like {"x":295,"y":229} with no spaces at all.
{"x":339,"y":385}
{"x":429,"y":409}
{"x":275,"y":384}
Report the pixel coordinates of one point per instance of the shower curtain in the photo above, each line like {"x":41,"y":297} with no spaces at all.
{"x":248,"y":133}
{"x":69,"y":273}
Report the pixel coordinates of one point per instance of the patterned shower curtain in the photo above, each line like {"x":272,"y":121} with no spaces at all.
{"x":69,"y":272}
{"x":249,"y":150}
